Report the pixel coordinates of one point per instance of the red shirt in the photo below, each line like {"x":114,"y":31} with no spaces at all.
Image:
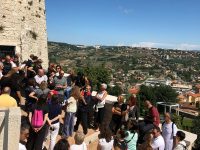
{"x":153,"y":112}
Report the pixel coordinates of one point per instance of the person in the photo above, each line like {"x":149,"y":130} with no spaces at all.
{"x":6,"y":100}
{"x":40,"y":77}
{"x":43,"y":89}
{"x":147,"y":144}
{"x":7,"y":65}
{"x":99,"y":110}
{"x":151,"y":119}
{"x":117,"y":111}
{"x":133,"y":110}
{"x":24,"y":134}
{"x":79,"y":142}
{"x":38,"y":116}
{"x":106,"y":140}
{"x":71,"y":105}
{"x":70,"y":83}
{"x":55,"y":111}
{"x":169,"y":130}
{"x":157,"y":141}
{"x":180,"y":143}
{"x":62,"y":144}
{"x":60,"y":84}
{"x":58,"y":69}
{"x":1,"y":70}
{"x":131,"y":140}
{"x":11,"y":79}
{"x":82,"y":112}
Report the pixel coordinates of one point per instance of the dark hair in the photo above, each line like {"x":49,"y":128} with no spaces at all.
{"x":62,"y":144}
{"x":24,"y":126}
{"x":181,"y":135}
{"x":107,"y":134}
{"x":157,"y":128}
{"x":58,"y":66}
{"x":54,"y":99}
{"x":31,"y":82}
{"x":42,"y":100}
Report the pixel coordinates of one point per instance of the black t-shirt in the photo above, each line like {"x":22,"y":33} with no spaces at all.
{"x":122,"y":107}
{"x":44,"y":108}
{"x":54,"y":111}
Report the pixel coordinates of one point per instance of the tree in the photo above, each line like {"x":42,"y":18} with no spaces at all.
{"x":115,"y":91}
{"x":196,"y":130}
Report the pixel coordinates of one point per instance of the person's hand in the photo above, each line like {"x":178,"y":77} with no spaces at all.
{"x":22,"y":101}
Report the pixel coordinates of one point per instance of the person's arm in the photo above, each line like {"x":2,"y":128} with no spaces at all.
{"x":22,"y":100}
{"x":32,"y":95}
{"x":30,"y":117}
{"x":64,"y":86}
{"x":174,"y":135}
{"x":137,"y":113}
{"x":103,"y":98}
{"x":115,"y":111}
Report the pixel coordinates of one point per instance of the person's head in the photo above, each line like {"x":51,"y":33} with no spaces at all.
{"x":148,"y":138}
{"x":31,"y":82}
{"x":75,"y":92}
{"x":132,"y":100}
{"x":167,"y":117}
{"x":88,"y":88}
{"x":8,"y":58}
{"x":42,"y":100}
{"x":1,"y":66}
{"x":58,"y":68}
{"x":54,"y":99}
{"x":61,"y":73}
{"x":6,"y":90}
{"x":120,"y":99}
{"x":43,"y":85}
{"x":24,"y":132}
{"x":40,"y":72}
{"x":62,"y":144}
{"x":156,"y":131}
{"x":34,"y":59}
{"x":79,"y":138}
{"x":180,"y":136}
{"x":147,"y":104}
{"x":31,"y":56}
{"x":106,"y":134}
{"x":103,"y":87}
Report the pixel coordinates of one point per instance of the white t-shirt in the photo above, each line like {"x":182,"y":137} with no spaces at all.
{"x":22,"y":147}
{"x":158,"y":143}
{"x":104,"y":145}
{"x":167,"y":134}
{"x":78,"y":147}
{"x":72,"y":105}
{"x":39,"y":79}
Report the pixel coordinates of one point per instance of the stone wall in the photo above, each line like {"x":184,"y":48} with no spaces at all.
{"x":10,"y":121}
{"x":23,"y":24}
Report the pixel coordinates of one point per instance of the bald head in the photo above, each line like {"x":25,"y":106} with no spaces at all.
{"x":41,"y":72}
{"x":6,"y":90}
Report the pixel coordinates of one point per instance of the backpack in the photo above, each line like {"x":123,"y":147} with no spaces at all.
{"x":37,"y":119}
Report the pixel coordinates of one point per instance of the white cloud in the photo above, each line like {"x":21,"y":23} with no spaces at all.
{"x":186,"y":46}
{"x":181,"y":46}
{"x":125,"y":11}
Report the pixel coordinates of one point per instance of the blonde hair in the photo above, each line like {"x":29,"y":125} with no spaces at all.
{"x":43,"y":85}
{"x":76,"y":92}
{"x":79,"y":137}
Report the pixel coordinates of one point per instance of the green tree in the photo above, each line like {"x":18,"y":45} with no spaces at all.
{"x":196,"y":130}
{"x":115,"y":91}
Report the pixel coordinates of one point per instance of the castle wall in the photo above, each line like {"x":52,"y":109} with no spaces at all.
{"x":23,"y":24}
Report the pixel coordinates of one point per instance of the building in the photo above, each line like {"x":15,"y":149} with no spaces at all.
{"x":193,"y":98}
{"x":154,"y":82}
{"x":23,"y":29}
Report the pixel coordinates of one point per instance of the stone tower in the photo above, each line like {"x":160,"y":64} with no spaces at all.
{"x":23,"y":28}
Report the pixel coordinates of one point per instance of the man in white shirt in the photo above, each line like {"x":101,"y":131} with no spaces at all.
{"x":169,"y":130}
{"x":158,"y":142}
{"x":24,"y":133}
{"x":40,"y":77}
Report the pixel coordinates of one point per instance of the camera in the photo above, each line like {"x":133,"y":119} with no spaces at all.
{"x":51,"y":128}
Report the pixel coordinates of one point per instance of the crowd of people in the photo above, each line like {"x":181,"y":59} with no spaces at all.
{"x":53,"y":99}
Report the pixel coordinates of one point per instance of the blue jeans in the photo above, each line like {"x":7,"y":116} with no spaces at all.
{"x":67,"y":92}
{"x":68,"y":128}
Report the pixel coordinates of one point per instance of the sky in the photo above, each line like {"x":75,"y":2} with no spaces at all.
{"x":146,"y":23}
